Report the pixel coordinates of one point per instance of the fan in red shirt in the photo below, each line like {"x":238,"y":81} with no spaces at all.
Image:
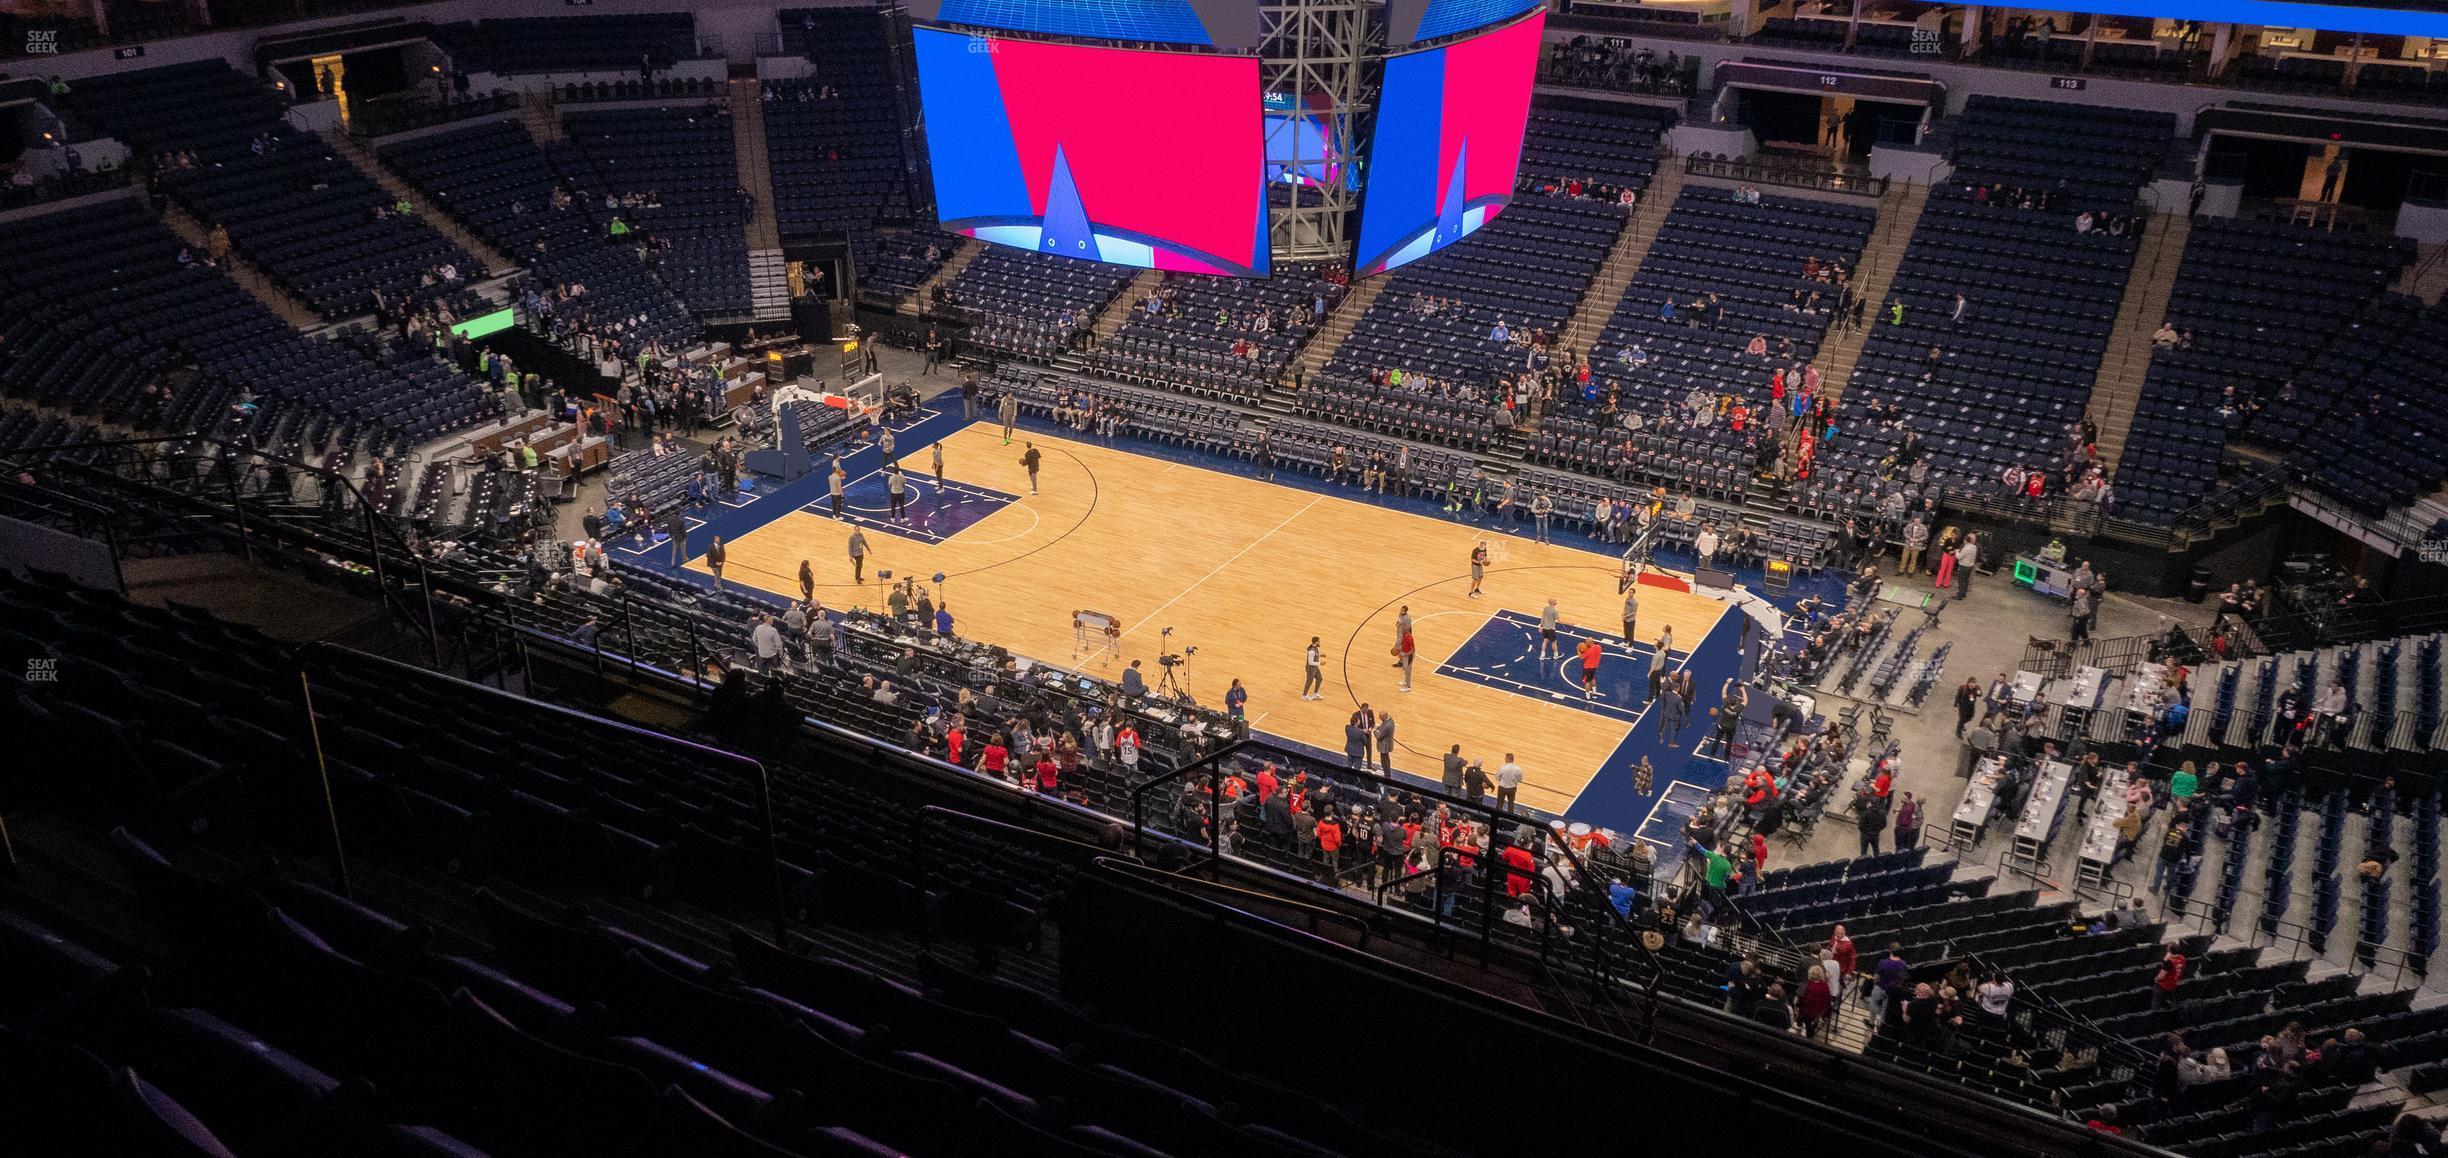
{"x":995,"y":758}
{"x":1266,"y":782}
{"x":1518,"y":858}
{"x":954,"y":740}
{"x":1046,"y":772}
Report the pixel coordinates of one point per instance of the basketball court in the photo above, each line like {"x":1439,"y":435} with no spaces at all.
{"x":1246,"y":571}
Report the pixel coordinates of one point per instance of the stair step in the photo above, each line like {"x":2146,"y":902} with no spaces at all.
{"x":494,"y":261}
{"x":2116,"y":389}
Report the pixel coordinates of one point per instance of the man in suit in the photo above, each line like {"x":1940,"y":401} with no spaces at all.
{"x":714,"y":560}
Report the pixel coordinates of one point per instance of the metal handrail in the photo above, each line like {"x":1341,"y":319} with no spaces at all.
{"x":141,"y":452}
{"x":323,"y":655}
{"x":1315,"y":913}
{"x":1823,"y":178}
{"x":1493,"y":819}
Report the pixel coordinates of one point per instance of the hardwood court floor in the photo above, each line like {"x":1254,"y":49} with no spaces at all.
{"x":1246,"y":571}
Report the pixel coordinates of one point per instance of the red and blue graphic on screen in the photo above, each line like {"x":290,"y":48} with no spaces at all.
{"x":1300,"y":148}
{"x":1148,"y":159}
{"x":1447,"y":143}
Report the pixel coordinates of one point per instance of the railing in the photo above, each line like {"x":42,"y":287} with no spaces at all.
{"x":380,"y":117}
{"x":2068,"y":515}
{"x":1611,"y":944}
{"x":2352,"y":623}
{"x":1621,"y":75}
{"x":165,"y":22}
{"x":2403,"y":530}
{"x":208,"y":476}
{"x":72,"y":183}
{"x":2116,"y":656}
{"x":877,"y":630}
{"x":2295,"y":938}
{"x":1844,"y":179}
{"x":324,"y":657}
{"x":44,"y":507}
{"x":1596,"y":954}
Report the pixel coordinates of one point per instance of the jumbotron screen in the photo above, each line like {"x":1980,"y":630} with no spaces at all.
{"x":1447,"y":142}
{"x":1300,"y":148}
{"x":1219,"y":23}
{"x":1409,"y":21}
{"x":1149,"y":159}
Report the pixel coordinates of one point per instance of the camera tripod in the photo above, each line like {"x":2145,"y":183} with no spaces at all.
{"x":1166,"y":685}
{"x":1168,"y":663}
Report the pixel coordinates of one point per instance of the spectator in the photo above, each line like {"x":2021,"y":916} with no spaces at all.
{"x":1996,"y":995}
{"x":2172,"y":850}
{"x":1818,"y":1001}
{"x":2171,"y":974}
{"x":1887,"y":980}
{"x":2194,"y":1071}
{"x":2167,"y":1077}
{"x":1907,"y":823}
{"x":1772,"y":1011}
{"x":1840,"y":950}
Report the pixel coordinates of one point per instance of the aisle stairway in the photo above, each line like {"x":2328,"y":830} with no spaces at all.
{"x":748,"y":149}
{"x":1338,"y":326}
{"x":2118,"y":388}
{"x":542,"y":118}
{"x":964,"y":252}
{"x":248,"y":276}
{"x":1899,"y":214}
{"x":1623,"y":263}
{"x":768,"y":283}
{"x":1118,"y":312}
{"x":495,"y":262}
{"x":2428,"y":276}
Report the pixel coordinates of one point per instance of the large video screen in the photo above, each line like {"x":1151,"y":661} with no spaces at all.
{"x":1408,"y":21}
{"x":1446,"y":144}
{"x":1300,"y":143}
{"x":1150,"y":159}
{"x":1221,"y":23}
